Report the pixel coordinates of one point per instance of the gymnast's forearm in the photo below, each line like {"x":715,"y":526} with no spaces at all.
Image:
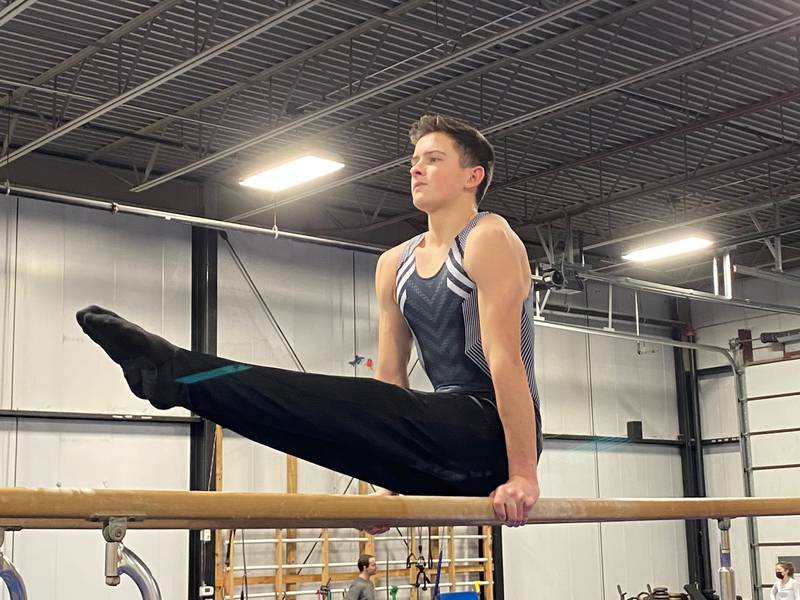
{"x":515,"y":407}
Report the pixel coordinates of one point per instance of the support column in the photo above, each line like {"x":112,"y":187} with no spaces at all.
{"x":698,"y":548}
{"x":201,"y":453}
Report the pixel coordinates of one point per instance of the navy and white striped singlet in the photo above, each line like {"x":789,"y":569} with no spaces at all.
{"x":442,"y":314}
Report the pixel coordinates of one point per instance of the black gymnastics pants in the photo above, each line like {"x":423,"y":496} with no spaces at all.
{"x":410,"y":442}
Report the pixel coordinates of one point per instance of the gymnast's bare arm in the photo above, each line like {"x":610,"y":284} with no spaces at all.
{"x":394,"y":338}
{"x":497,"y":262}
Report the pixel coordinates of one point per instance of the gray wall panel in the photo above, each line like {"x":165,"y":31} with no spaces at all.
{"x":632,"y":386}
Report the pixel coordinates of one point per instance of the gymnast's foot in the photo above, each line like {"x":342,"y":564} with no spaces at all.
{"x":145,"y":358}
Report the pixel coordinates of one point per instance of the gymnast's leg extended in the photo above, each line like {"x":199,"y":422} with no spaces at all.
{"x":407,"y":441}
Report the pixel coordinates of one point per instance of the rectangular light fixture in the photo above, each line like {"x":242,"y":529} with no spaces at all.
{"x":675,"y":248}
{"x":290,"y":174}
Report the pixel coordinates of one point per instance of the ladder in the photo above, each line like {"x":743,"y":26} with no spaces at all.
{"x":750,"y":467}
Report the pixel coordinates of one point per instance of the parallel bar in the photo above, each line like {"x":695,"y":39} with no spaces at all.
{"x":86,"y":508}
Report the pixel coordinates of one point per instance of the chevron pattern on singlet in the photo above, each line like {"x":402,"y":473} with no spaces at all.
{"x":442,"y":314}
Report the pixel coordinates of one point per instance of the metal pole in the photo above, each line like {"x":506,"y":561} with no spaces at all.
{"x":715,"y":275}
{"x":727,"y":275}
{"x":610,"y":326}
{"x":116,"y":208}
{"x":650,"y":339}
{"x":679,"y":292}
{"x":727,"y":579}
{"x":777,"y":242}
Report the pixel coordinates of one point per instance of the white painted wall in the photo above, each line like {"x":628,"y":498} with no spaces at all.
{"x":724,"y":477}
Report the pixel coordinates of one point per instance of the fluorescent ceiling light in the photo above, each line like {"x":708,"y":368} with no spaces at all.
{"x":683,"y":246}
{"x":292,"y":173}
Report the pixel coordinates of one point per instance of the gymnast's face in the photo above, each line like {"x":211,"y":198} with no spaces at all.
{"x":437,"y":177}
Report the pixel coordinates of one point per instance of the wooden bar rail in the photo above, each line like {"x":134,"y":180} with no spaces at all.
{"x":39,"y":508}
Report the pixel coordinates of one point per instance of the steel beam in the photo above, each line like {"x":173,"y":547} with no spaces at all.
{"x":91,"y":50}
{"x":412,"y":75}
{"x":263,"y":75}
{"x":243,"y":36}
{"x":710,"y":217}
{"x":664,"y":135}
{"x":566,"y":105}
{"x":491,"y":67}
{"x":677,"y":180}
{"x":782,"y":278}
{"x":141,"y":109}
{"x":12,"y":9}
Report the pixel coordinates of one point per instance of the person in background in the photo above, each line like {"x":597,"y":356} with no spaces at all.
{"x":362,"y":588}
{"x":786,"y":588}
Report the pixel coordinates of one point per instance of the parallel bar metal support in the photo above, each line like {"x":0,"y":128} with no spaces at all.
{"x":135,"y":568}
{"x":10,"y":576}
{"x":727,"y":580}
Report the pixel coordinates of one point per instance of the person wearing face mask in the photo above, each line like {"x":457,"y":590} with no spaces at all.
{"x":786,"y":588}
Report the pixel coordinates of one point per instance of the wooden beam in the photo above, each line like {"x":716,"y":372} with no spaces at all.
{"x":86,"y":509}
{"x":291,"y":488}
{"x":488,"y":566}
{"x":451,"y":554}
{"x":219,"y":573}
